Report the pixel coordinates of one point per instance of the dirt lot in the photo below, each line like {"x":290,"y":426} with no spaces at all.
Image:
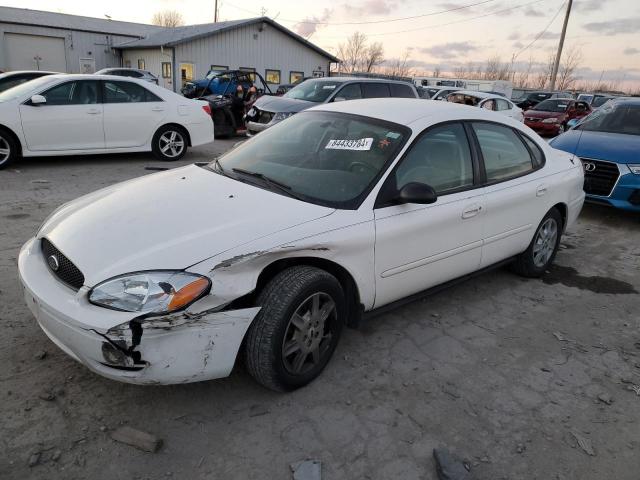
{"x":508,"y":373}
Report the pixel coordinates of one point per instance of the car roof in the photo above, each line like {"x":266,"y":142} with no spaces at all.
{"x":475,"y":93}
{"x":92,"y":76}
{"x":360,"y":79}
{"x":405,"y":111}
{"x":19,"y":72}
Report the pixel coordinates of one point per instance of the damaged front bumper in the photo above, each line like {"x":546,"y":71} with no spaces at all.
{"x":200,"y":343}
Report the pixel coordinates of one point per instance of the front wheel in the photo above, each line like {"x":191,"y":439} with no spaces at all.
{"x":535,"y":260}
{"x":8,"y":149}
{"x":169,"y":143}
{"x":296,"y":332}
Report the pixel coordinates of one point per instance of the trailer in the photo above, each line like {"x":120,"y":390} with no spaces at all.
{"x":501,"y":87}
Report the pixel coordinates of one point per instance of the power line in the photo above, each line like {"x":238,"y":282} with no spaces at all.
{"x":413,"y":17}
{"x":496,"y":12}
{"x":542,"y":32}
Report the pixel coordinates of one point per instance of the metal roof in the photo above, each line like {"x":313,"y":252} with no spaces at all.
{"x":168,"y":37}
{"x":24,"y":16}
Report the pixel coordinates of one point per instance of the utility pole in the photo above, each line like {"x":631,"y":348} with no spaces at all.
{"x":215,"y":15}
{"x":556,"y":64}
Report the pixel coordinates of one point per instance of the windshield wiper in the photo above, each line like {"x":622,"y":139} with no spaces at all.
{"x":286,"y":189}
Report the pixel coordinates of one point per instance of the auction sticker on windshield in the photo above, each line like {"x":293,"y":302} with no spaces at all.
{"x":357,"y":144}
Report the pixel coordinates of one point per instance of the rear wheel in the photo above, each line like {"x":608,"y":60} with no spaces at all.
{"x":535,"y":260}
{"x":8,"y":149}
{"x":170,"y":143}
{"x":296,"y":332}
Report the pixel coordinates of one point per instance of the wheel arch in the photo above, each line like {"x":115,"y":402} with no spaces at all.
{"x":13,"y":136}
{"x":347,"y":281}
{"x":564,"y":212}
{"x":175,"y":125}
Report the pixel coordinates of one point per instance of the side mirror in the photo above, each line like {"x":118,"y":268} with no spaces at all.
{"x":339,"y":99}
{"x":38,"y":100}
{"x":415,"y":192}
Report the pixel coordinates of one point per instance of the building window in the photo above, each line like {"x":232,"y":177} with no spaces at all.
{"x":127,"y":64}
{"x":295,"y":77}
{"x":219,"y":68}
{"x":141,"y":64}
{"x":272,"y":76}
{"x":166,"y":69}
{"x":251,"y":70}
{"x":318,"y":74}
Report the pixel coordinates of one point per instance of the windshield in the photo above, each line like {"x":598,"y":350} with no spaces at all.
{"x":24,"y":88}
{"x":328,"y":158}
{"x":614,"y":118}
{"x":313,"y":90}
{"x":553,"y":105}
{"x":538,"y":96}
{"x":599,"y":101}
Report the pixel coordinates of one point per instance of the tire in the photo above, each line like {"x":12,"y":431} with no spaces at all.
{"x":282,"y":322}
{"x":535,"y":260}
{"x":170,"y":143}
{"x":8,"y":149}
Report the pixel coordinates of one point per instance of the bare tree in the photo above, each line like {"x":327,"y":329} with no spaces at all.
{"x":400,"y":66}
{"x":543,"y":76}
{"x":567,"y":71}
{"x":436,"y":72}
{"x":374,"y":57}
{"x":521,"y":78}
{"x":353,"y":52}
{"x":168,"y":18}
{"x":496,"y":69}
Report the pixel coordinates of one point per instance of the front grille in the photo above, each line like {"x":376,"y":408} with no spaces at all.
{"x":66,"y":271}
{"x":599,"y":177}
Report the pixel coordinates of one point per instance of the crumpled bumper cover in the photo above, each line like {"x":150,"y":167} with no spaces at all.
{"x":198,"y":344}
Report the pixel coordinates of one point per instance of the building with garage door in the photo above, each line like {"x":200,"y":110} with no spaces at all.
{"x":178,"y":55}
{"x":37,"y":40}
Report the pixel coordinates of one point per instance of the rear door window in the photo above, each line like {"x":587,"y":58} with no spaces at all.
{"x":375,"y":90}
{"x":127,"y":92}
{"x":505,"y":155}
{"x":401,"y":91}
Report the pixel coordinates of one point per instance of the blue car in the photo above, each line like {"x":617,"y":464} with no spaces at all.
{"x":608,"y":143}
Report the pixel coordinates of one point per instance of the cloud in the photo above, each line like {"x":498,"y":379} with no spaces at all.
{"x":547,"y":36}
{"x":532,"y":12}
{"x":615,"y":27}
{"x":307,"y":29}
{"x":514,"y":36}
{"x":518,"y":45}
{"x":588,"y":5}
{"x":631,"y":51}
{"x":371,"y":7}
{"x":449,"y":50}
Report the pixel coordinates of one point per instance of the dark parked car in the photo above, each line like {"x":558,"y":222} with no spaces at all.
{"x":11,"y":79}
{"x":534,"y":98}
{"x":270,"y":110}
{"x":550,"y":117}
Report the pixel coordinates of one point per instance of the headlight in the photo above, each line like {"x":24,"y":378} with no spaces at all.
{"x":635,"y":168}
{"x":278,"y":117}
{"x":150,"y":292}
{"x":550,"y":120}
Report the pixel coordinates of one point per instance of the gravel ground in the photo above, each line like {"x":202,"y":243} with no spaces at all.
{"x":524,"y":379}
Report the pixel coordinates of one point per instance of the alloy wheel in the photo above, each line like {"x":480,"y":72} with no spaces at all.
{"x":545,"y":242}
{"x":308,"y":335}
{"x":5,"y":150}
{"x":171,"y":143}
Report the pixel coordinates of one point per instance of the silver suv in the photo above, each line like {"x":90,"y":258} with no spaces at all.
{"x":269,"y":110}
{"x":130,"y":72}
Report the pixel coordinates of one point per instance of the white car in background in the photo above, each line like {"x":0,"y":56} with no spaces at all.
{"x":88,"y":114}
{"x":337,"y":211}
{"x":488,"y":101}
{"x":441,"y":92}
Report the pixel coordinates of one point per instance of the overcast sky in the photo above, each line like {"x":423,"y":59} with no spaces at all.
{"x":606,"y":31}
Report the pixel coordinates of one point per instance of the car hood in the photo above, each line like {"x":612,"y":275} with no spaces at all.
{"x":169,"y":220}
{"x":543,"y":114}
{"x":614,"y":147}
{"x":282,"y":104}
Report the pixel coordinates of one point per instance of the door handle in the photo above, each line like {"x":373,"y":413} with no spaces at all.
{"x":541,"y":190}
{"x":93,"y":111}
{"x":157,"y":109}
{"x":471,"y":211}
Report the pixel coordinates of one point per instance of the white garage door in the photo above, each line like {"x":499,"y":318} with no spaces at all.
{"x":33,"y":52}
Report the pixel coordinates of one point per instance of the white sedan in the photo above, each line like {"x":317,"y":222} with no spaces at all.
{"x":82,"y":114}
{"x":312,"y":225}
{"x":488,"y":101}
